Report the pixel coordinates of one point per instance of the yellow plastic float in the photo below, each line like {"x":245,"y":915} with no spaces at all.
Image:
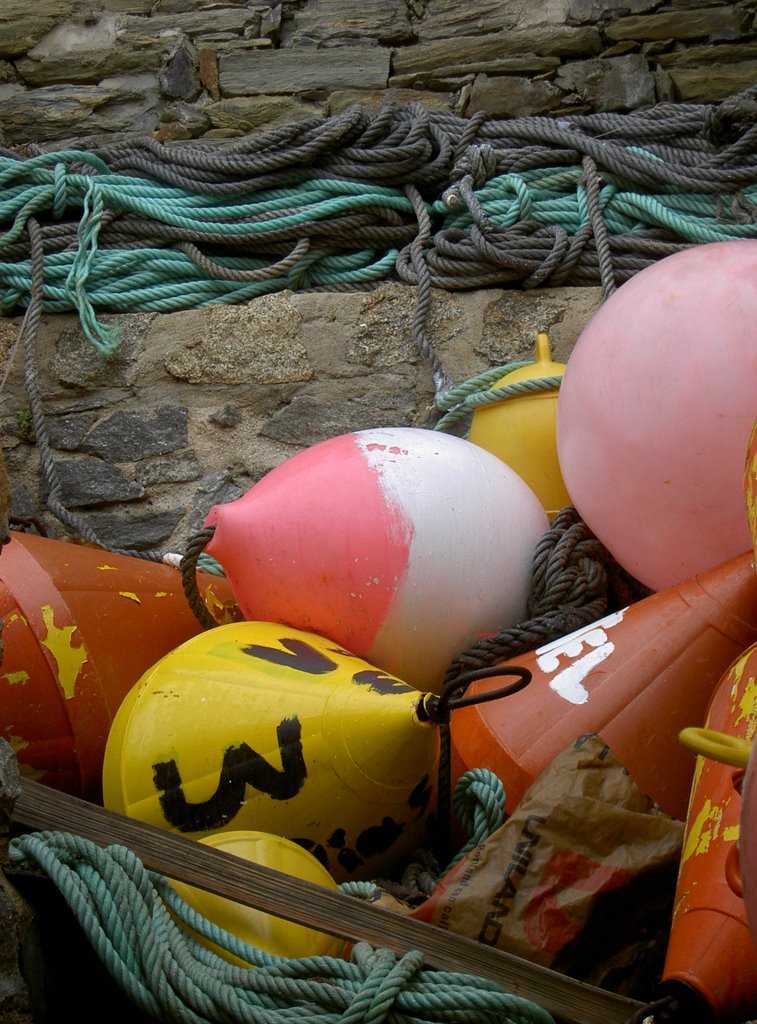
{"x":260,"y":930}
{"x":521,"y":429}
{"x":258,"y":726}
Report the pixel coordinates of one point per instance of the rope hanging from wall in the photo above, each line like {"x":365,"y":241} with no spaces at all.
{"x":345,"y":202}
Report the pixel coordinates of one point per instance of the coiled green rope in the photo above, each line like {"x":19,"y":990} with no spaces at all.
{"x":429,"y":198}
{"x":460,"y":402}
{"x":130,"y":917}
{"x":361,"y":197}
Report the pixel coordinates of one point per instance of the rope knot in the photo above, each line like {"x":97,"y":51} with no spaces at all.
{"x":478,"y":800}
{"x":478,"y":161}
{"x":385,"y":978}
{"x":105,"y":339}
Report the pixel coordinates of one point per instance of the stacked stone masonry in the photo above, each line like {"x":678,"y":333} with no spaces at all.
{"x":197,"y":405}
{"x":99,"y":71}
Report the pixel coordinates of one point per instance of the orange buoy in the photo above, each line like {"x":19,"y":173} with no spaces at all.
{"x":750,"y":485}
{"x":636,"y":677}
{"x":748,"y":843}
{"x":80,"y":626}
{"x":711,"y":960}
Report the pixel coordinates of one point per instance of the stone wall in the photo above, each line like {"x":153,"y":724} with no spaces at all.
{"x":198,"y":404}
{"x":98,"y":71}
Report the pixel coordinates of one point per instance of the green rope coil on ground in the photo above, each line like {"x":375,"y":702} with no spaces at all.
{"x":127,"y":915}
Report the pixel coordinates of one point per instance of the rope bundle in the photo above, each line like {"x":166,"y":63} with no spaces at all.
{"x":575,"y":581}
{"x":425,"y":196}
{"x":127,"y":915}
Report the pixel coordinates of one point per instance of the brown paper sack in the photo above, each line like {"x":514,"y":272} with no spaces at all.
{"x":582,"y":861}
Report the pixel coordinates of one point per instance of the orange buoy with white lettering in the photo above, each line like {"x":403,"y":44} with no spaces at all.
{"x":711,"y":961}
{"x":636,"y":677}
{"x":80,"y":625}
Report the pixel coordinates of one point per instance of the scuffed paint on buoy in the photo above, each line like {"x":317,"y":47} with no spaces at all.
{"x":79,"y":628}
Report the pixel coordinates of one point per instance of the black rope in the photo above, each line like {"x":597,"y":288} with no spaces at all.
{"x":188,"y":567}
{"x":660,"y":1011}
{"x":439,"y":710}
{"x":575,"y":580}
{"x":695,"y":147}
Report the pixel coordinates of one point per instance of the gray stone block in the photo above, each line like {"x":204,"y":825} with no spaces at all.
{"x":130,"y":436}
{"x":89,"y":481}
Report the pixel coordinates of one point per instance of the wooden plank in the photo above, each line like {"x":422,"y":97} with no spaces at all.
{"x":42,"y":808}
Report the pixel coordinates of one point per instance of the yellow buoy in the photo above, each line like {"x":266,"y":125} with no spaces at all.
{"x":263,"y":931}
{"x":521,"y":429}
{"x":258,"y":726}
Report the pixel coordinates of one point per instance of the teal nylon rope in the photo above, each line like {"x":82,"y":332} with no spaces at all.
{"x":557,"y":197}
{"x":461,"y":401}
{"x":91,"y":278}
{"x":142,"y":931}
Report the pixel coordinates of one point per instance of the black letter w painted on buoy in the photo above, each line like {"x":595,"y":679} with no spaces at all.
{"x":242,"y":766}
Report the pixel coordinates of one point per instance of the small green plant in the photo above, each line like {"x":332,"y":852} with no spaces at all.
{"x":25,"y":427}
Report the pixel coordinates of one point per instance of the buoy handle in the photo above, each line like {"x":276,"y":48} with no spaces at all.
{"x":718,"y":746}
{"x":438,"y":709}
{"x":543,"y":348}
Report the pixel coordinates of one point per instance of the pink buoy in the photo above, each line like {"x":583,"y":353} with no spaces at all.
{"x":404,"y":545}
{"x":655,"y":410}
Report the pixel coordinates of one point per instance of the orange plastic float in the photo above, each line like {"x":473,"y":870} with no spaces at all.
{"x":748,"y":843}
{"x":636,"y":677}
{"x":80,"y":626}
{"x":711,"y":961}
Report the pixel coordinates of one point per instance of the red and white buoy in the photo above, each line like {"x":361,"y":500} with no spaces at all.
{"x":404,"y":545}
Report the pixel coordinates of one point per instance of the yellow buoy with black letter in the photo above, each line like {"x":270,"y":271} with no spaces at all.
{"x":255,"y":725}
{"x":520,"y":427}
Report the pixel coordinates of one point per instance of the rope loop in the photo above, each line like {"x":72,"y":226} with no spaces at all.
{"x":160,"y":964}
{"x":478,"y":163}
{"x":462,"y":401}
{"x":188,"y":567}
{"x":106,"y":339}
{"x":478,"y":801}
